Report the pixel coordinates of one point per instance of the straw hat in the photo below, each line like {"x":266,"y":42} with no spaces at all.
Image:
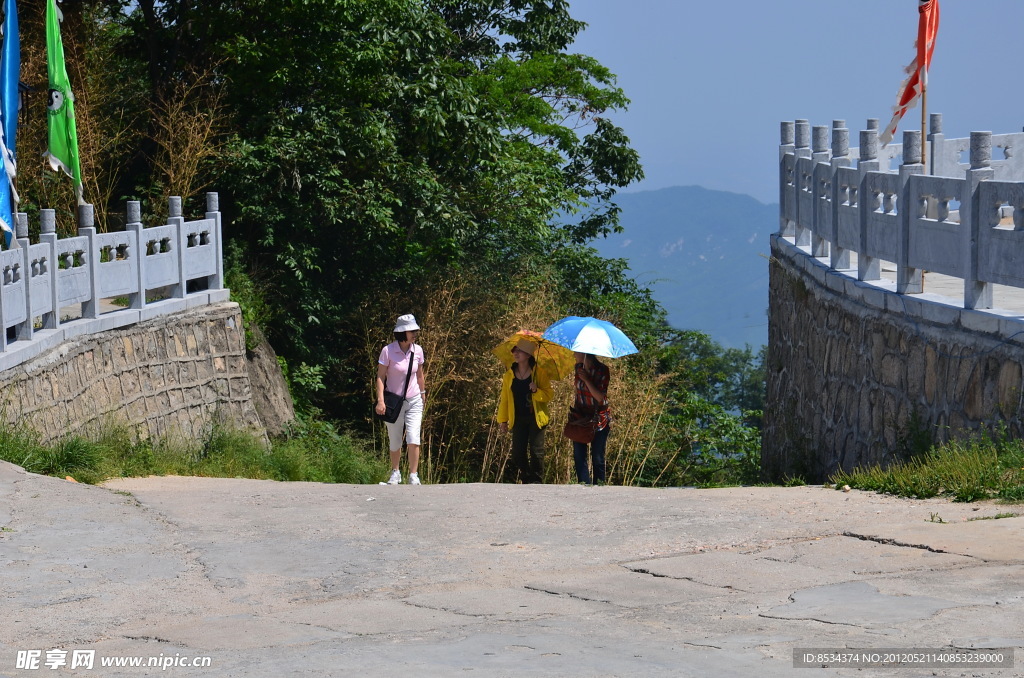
{"x":526,"y":346}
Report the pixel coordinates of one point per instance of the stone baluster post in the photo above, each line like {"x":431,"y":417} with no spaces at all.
{"x":87,"y":228}
{"x":787,"y":137}
{"x":802,"y":138}
{"x":820,"y":144}
{"x":819,"y":155}
{"x":908,"y":280}
{"x":786,"y":226}
{"x":977,"y":293}
{"x":213,"y":212}
{"x":175,"y":219}
{"x":21,"y":229}
{"x":25,"y":329}
{"x":133,"y":224}
{"x":787,"y":146}
{"x":868,"y":268}
{"x":839,"y":256}
{"x":936,"y":145}
{"x":48,"y":236}
{"x":802,"y":236}
{"x":935,"y":163}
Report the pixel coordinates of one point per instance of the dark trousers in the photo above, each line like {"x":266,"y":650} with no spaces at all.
{"x":528,"y":450}
{"x":579,"y":455}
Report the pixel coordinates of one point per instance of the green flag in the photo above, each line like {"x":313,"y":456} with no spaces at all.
{"x":63,"y":146}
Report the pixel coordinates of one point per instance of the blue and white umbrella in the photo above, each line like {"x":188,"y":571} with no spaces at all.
{"x":590,"y":335}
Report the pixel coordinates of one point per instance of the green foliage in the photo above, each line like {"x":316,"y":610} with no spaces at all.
{"x":376,"y":143}
{"x":710,"y":425}
{"x":715,"y":446}
{"x":249,"y":291}
{"x":304,"y":382}
{"x":732,"y":378}
{"x":985,"y":466}
{"x":327,"y":455}
{"x":71,"y":456}
{"x":914,"y":439}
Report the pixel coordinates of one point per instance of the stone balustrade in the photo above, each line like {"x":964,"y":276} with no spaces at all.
{"x":168,"y":360}
{"x":896,"y":307}
{"x":56,"y":289}
{"x":836,"y":200}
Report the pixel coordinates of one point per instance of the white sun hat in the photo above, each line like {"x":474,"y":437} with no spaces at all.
{"x":406,"y":323}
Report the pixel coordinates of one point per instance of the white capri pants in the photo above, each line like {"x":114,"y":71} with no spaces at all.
{"x":410,"y":419}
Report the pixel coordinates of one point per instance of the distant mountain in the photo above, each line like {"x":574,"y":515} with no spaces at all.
{"x":704,"y":255}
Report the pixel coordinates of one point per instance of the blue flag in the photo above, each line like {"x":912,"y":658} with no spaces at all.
{"x":10,"y":69}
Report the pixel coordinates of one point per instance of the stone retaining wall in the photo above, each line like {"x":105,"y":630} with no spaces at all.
{"x":166,"y":377}
{"x":856,"y":378}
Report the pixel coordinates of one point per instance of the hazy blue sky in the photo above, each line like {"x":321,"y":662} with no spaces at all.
{"x":710,"y":80}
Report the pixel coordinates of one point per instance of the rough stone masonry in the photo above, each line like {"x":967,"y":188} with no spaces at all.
{"x":852,"y":378}
{"x":167,"y":377}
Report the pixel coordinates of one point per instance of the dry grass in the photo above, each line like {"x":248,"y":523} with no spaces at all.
{"x":189,"y":122}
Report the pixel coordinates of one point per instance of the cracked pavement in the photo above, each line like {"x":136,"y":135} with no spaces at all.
{"x":295,"y":579}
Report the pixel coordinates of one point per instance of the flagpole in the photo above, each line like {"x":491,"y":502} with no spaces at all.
{"x":924,"y":114}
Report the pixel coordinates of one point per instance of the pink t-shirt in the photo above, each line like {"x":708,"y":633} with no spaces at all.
{"x":398,"y":366}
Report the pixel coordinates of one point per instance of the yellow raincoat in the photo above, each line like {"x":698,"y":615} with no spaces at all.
{"x":544,"y":394}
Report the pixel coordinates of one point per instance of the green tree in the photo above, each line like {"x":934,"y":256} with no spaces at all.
{"x":731,"y":378}
{"x":714,"y":398}
{"x":380,"y":142}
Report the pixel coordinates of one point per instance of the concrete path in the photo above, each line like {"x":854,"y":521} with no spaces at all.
{"x":302,"y":579}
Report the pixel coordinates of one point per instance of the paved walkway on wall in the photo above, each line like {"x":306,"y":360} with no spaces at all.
{"x":1004,"y":297}
{"x":304,"y":579}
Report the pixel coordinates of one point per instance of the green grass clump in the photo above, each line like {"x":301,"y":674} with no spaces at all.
{"x":985,"y":466}
{"x":71,"y":456}
{"x":312,"y":451}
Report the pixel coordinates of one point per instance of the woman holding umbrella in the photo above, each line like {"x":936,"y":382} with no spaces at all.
{"x":592,"y":396}
{"x":588,"y":337}
{"x":523,"y":407}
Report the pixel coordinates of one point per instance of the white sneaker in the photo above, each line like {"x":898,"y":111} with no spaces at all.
{"x":414,"y":479}
{"x":396,"y":478}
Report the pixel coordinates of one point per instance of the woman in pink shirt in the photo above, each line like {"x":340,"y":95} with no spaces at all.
{"x":393,"y":369}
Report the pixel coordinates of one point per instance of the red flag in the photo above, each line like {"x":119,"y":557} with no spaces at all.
{"x":910,"y":90}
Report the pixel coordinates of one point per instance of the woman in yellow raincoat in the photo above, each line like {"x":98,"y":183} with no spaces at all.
{"x":523,"y":408}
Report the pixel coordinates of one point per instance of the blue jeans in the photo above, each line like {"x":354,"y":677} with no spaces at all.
{"x":579,"y":454}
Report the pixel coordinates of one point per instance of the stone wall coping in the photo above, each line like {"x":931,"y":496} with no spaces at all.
{"x":882,"y":296}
